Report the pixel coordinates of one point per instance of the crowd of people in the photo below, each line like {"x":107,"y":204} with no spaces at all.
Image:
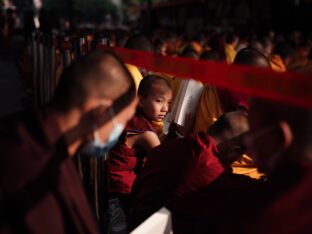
{"x":241,"y":165}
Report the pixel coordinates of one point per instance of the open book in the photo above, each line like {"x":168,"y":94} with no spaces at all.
{"x":158,"y":223}
{"x":186,"y":101}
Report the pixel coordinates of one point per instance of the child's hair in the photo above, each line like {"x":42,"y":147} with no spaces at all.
{"x":147,"y":82}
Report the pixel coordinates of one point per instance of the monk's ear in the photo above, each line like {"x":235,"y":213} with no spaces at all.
{"x":286,"y":133}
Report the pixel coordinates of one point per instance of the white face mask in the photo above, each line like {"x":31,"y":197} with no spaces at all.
{"x":98,"y":148}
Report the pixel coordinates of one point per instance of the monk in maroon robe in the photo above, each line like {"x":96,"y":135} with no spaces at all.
{"x":127,"y":158}
{"x":40,"y":191}
{"x":186,"y":175}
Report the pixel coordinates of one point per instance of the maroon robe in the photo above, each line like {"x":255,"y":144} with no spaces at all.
{"x":125,"y":162}
{"x":173,"y":171}
{"x":288,"y":202}
{"x":41,"y":191}
{"x":238,"y":204}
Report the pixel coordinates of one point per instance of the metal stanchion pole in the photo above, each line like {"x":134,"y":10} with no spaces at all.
{"x":52,"y":65}
{"x":40,"y":71}
{"x":46,"y":71}
{"x":35,"y":68}
{"x":103,"y":192}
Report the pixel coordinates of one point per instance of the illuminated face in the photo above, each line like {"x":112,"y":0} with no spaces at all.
{"x":156,"y":105}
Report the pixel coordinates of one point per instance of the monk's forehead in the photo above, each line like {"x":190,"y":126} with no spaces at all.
{"x":160,"y":87}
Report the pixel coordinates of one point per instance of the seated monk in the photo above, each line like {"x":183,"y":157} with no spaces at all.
{"x":175,"y":82}
{"x":179,"y":168}
{"x":127,"y":158}
{"x":214,"y":102}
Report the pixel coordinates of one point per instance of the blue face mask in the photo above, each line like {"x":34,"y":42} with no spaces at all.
{"x":98,"y":148}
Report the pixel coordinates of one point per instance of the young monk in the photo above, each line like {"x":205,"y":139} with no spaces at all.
{"x":139,"y":137}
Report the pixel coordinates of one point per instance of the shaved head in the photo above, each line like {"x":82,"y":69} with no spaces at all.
{"x":140,"y":42}
{"x":99,"y":74}
{"x":252,"y":57}
{"x":152,"y":81}
{"x":229,"y":125}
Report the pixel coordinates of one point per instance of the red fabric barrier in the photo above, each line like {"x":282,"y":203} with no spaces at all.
{"x":290,"y":88}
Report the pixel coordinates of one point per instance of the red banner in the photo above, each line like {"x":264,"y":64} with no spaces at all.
{"x":290,"y":88}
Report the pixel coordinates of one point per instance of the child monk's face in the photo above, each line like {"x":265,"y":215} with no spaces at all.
{"x":156,"y":105}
